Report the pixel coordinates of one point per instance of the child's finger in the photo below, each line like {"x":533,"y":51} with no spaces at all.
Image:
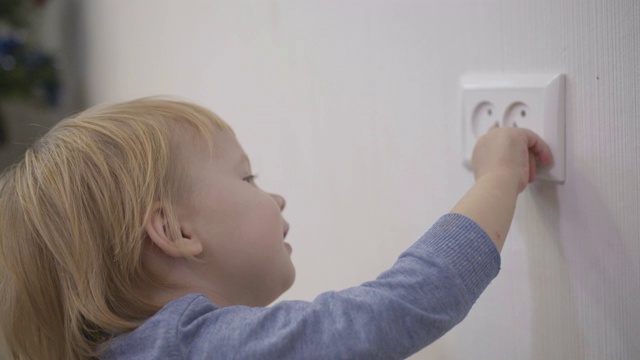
{"x":532,"y":167}
{"x":539,"y":148}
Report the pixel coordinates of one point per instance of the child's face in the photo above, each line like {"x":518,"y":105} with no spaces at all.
{"x":240,"y":226}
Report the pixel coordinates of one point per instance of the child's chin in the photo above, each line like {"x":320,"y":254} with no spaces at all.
{"x":291,"y":280}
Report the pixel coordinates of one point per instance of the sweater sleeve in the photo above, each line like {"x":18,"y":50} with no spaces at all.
{"x":430,"y":289}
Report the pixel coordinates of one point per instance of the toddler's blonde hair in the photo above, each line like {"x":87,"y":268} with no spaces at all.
{"x":72,"y":220}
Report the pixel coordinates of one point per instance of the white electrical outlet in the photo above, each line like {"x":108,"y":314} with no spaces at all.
{"x":532,"y":101}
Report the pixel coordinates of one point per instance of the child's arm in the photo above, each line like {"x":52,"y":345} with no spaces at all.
{"x":504,"y":161}
{"x":429,"y":289}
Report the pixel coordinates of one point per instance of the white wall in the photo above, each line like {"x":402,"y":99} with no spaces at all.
{"x":350,"y":110}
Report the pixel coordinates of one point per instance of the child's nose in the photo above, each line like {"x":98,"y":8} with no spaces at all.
{"x":280,"y":200}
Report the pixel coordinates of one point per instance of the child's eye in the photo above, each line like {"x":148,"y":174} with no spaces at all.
{"x":251,"y":179}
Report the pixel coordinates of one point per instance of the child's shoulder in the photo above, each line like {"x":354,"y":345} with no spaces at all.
{"x":155,"y":338}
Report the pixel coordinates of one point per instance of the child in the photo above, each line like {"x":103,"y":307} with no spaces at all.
{"x":136,"y":231}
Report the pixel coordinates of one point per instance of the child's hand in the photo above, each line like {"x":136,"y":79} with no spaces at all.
{"x":510,"y":151}
{"x":504,"y":162}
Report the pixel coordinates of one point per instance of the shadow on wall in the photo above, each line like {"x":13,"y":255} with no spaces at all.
{"x":555,"y":322}
{"x":580,"y":275}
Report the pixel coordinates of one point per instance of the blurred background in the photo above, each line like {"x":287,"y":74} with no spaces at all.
{"x":351,"y":110}
{"x":39,"y":77}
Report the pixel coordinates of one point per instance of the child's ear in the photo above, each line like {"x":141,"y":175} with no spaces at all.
{"x":158,"y":231}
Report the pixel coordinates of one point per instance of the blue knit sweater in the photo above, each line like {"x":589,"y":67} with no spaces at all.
{"x":430,"y":288}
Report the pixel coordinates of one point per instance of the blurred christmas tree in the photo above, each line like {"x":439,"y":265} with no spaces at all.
{"x":26,"y":72}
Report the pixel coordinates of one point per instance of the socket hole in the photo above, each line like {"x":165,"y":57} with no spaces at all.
{"x":517,"y":114}
{"x":482,"y":118}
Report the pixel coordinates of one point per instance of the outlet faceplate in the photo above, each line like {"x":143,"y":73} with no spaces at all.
{"x":532,"y":101}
